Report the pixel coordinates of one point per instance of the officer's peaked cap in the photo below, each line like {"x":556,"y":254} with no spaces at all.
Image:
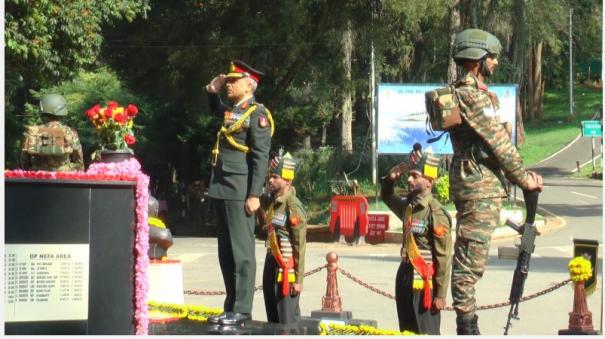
{"x":239,"y":69}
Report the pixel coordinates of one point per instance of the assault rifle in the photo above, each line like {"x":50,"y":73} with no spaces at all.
{"x":522,"y":253}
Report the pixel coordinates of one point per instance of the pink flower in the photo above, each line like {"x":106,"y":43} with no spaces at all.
{"x":130,"y":139}
{"x":112,"y":104}
{"x":132,"y":110}
{"x":108,"y":113}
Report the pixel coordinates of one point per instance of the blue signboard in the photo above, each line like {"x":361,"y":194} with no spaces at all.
{"x":402,"y":117}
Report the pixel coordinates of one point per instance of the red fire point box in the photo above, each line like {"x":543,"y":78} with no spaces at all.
{"x":377,"y":225}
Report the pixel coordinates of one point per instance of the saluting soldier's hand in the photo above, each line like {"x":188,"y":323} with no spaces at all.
{"x":397,"y":171}
{"x":252,"y":204}
{"x":535,"y":182}
{"x":216,"y":84}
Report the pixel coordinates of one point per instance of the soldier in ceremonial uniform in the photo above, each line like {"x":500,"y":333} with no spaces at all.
{"x":483,"y":156}
{"x":239,"y":160}
{"x":285,"y":220}
{"x":422,"y":278}
{"x":52,"y":146}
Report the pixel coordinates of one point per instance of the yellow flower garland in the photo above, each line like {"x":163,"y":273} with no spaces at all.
{"x":195,"y":313}
{"x":338,"y":329}
{"x":580,"y":269}
{"x":201,"y":314}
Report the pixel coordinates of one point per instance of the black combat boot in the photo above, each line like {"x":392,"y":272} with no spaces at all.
{"x":464,"y":324}
{"x":475,"y":327}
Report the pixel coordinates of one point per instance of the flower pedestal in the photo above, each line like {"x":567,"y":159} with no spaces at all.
{"x":115,"y":156}
{"x":580,"y":318}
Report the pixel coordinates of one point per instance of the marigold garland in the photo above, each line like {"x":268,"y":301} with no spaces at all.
{"x":580,"y":269}
{"x":191,"y":312}
{"x":338,"y":329}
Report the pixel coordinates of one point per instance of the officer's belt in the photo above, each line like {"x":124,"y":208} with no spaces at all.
{"x":227,"y":132}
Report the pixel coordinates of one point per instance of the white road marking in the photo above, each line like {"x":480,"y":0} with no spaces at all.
{"x":584,"y":195}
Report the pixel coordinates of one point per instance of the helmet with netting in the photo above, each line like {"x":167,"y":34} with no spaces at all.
{"x":474,"y":44}
{"x":54,"y":104}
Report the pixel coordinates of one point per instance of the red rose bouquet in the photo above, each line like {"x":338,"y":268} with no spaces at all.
{"x":113,"y":124}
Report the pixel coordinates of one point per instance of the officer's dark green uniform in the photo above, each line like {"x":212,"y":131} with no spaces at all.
{"x":239,"y":163}
{"x":286,"y":243}
{"x":426,"y":252}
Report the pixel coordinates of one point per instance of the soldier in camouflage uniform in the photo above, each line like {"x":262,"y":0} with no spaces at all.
{"x":422,"y":278}
{"x":285,"y":220}
{"x":239,"y":165}
{"x":51,"y":146}
{"x":483,"y":156}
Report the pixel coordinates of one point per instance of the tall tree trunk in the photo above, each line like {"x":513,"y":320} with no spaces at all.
{"x":529,"y":112}
{"x":519,"y":58}
{"x":307,"y":142}
{"x":536,"y":80}
{"x":454,"y":29}
{"x":346,"y":107}
{"x":520,"y":128}
{"x":324,"y":133}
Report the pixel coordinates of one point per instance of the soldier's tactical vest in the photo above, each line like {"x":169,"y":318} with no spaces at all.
{"x":48,"y":141}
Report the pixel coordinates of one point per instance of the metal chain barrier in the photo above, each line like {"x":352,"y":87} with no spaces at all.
{"x":258,"y":288}
{"x":448,"y":308}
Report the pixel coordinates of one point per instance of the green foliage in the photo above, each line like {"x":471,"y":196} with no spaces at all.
{"x":312,"y":176}
{"x":51,"y":39}
{"x":441,"y":189}
{"x":84,"y":91}
{"x":545,"y":137}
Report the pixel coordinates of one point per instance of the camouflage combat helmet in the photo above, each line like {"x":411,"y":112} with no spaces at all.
{"x":474,"y":44}
{"x":54,"y":104}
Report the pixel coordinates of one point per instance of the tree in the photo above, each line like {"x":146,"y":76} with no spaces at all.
{"x":48,"y":41}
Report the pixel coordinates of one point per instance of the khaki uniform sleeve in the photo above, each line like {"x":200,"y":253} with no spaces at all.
{"x":387,"y":194}
{"x":442,"y":250}
{"x":493,"y":134}
{"x":297,"y":219}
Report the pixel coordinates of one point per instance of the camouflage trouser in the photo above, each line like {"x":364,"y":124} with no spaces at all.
{"x":476,"y":221}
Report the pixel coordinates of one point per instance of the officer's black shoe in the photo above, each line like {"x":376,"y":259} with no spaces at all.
{"x":464,"y":324}
{"x":216,"y":319}
{"x":235,"y":319}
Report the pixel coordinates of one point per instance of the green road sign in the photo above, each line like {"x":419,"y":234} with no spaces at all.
{"x":592,"y":128}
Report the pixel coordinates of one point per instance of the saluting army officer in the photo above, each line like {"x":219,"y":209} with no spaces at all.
{"x":286,"y":223}
{"x":422,"y":278}
{"x":239,"y":160}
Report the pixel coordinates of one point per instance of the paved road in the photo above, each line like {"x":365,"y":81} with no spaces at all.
{"x":577,"y":202}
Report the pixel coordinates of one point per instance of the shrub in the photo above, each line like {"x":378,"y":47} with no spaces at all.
{"x":441,"y":189}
